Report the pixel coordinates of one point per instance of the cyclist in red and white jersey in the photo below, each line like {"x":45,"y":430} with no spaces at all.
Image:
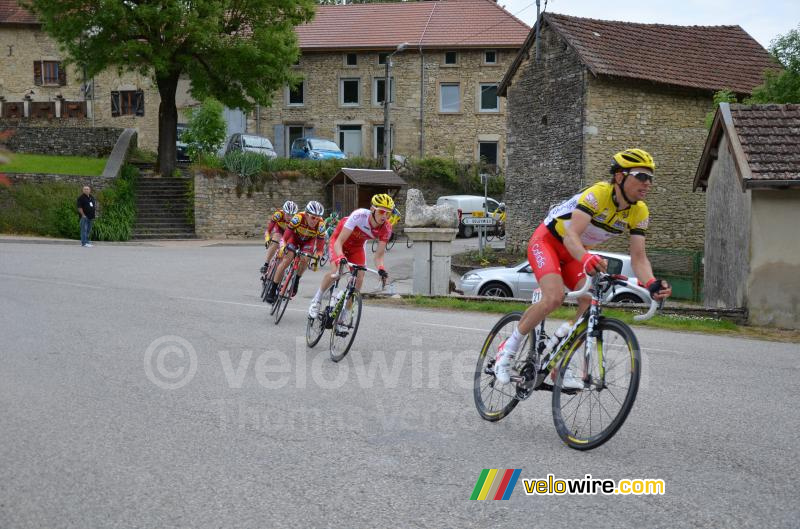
{"x":350,"y":238}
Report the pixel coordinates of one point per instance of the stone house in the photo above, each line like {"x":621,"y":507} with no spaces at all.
{"x":750,"y":172}
{"x":600,"y":87}
{"x":443,"y":86}
{"x":37,"y":89}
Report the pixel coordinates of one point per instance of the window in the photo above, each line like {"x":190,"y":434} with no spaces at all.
{"x":450,"y":97}
{"x":293,"y":133}
{"x":487,"y":150}
{"x":348,"y":90}
{"x":614,"y":265}
{"x":296,"y":95}
{"x":382,"y":58}
{"x":350,"y":59}
{"x":49,"y":73}
{"x":488,"y":98}
{"x":450,"y":57}
{"x":379,"y":90}
{"x":379,"y":140}
{"x":127,"y":103}
{"x":490,"y":57}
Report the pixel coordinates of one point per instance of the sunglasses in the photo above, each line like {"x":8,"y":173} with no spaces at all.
{"x":642,"y":176}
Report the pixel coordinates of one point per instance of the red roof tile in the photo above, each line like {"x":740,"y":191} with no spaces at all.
{"x":764,"y":140}
{"x":706,"y":57}
{"x":432,"y":24}
{"x":12,"y":13}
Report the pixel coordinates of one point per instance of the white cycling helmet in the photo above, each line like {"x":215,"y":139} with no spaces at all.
{"x":289,"y":207}
{"x":315,"y":208}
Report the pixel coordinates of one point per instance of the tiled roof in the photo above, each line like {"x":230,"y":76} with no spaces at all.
{"x":432,"y":24}
{"x":705,"y":57}
{"x":765,"y":142}
{"x":378,"y":177}
{"x":12,"y":13}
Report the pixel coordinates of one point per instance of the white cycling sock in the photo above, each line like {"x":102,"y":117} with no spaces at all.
{"x":317,"y":296}
{"x":512,"y":344}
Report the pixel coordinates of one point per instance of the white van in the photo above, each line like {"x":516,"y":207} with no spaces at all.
{"x":466,"y":205}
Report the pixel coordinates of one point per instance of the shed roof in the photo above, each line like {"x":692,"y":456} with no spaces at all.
{"x":704,"y":57}
{"x":375,"y":177}
{"x":764,"y":140}
{"x":11,"y":13}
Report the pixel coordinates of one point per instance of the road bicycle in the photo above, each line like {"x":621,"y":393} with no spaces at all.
{"x":266,"y":277}
{"x":332,"y":314}
{"x":286,"y":286}
{"x":389,"y":243}
{"x":602,"y":352}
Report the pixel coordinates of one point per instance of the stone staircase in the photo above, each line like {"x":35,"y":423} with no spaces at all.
{"x":161,"y":205}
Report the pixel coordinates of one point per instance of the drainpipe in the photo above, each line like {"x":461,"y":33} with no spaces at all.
{"x":421,"y":102}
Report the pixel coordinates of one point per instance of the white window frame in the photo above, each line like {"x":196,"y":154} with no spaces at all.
{"x":386,"y":58}
{"x":494,"y":63}
{"x":344,"y":60}
{"x":375,"y":138}
{"x":442,"y":85}
{"x":479,"y":98}
{"x":342,"y":81}
{"x":302,"y":88}
{"x":497,"y":150}
{"x":375,"y":91}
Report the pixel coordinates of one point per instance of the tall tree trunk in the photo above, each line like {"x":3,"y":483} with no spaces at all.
{"x":167,"y":123}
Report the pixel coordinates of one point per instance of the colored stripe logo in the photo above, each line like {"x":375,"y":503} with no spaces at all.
{"x":495,"y":484}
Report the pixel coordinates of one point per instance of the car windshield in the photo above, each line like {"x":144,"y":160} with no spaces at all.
{"x":323,"y":145}
{"x":256,"y":142}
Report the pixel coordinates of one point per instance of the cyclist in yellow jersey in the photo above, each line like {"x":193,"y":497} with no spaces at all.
{"x":558,"y":250}
{"x":275,"y":228}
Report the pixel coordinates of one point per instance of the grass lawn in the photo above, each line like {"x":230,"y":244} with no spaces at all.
{"x":42,"y":163}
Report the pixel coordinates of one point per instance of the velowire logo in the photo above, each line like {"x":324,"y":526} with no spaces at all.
{"x":495,"y":484}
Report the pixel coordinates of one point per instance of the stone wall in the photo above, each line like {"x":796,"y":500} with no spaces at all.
{"x":454,"y":134}
{"x":55,"y":138}
{"x":667,"y":122}
{"x":545,"y":113}
{"x":220,"y":212}
{"x":97,"y":183}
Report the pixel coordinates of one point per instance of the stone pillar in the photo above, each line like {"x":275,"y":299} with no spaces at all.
{"x":431,"y":259}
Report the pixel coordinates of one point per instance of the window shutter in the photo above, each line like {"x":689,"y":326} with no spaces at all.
{"x":114,"y":104}
{"x":139,"y":103}
{"x":37,"y":73}
{"x":62,"y":74}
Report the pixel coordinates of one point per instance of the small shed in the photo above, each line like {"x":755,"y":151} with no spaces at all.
{"x":750,"y":171}
{"x":353,"y":188}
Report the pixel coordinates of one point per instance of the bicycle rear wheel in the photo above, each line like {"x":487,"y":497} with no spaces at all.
{"x":284,"y":294}
{"x":344,"y":328}
{"x":587,"y":418}
{"x":374,"y":245}
{"x":315,"y":327}
{"x":392,"y":239}
{"x":494,"y":401}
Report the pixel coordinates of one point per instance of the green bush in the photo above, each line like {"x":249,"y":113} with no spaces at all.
{"x":50,"y":209}
{"x":206,"y":128}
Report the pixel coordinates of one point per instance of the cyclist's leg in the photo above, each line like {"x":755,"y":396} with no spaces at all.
{"x":288,"y":255}
{"x":327,"y":280}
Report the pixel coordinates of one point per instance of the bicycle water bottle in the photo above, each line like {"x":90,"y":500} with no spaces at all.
{"x":559,"y":333}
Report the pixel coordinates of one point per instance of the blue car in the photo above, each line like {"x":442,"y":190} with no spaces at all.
{"x":316,"y":149}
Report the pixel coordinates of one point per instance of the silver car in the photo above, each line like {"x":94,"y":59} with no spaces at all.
{"x":519,"y":282}
{"x":250,"y":143}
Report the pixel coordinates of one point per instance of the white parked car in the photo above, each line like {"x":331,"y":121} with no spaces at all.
{"x":250,"y":143}
{"x":466,"y":205}
{"x":519,"y":282}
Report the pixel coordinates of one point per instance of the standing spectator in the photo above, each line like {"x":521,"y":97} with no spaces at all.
{"x":86,"y":208}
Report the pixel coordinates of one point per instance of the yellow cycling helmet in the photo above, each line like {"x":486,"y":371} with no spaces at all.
{"x":383,"y":201}
{"x":633,"y":158}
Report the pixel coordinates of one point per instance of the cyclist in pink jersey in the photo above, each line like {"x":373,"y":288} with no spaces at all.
{"x":350,"y":237}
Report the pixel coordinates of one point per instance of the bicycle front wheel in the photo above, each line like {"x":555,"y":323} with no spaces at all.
{"x":315,"y":327}
{"x":493,"y":400}
{"x":284,"y":294}
{"x":588,"y":417}
{"x":345,"y":327}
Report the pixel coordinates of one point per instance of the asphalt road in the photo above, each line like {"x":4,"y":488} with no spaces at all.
{"x":261,"y":432}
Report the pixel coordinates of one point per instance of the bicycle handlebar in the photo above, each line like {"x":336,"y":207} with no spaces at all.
{"x":630,"y":283}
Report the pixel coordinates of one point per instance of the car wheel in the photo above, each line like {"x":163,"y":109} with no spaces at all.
{"x":468,"y":231}
{"x":498,"y":290}
{"x":626,"y":297}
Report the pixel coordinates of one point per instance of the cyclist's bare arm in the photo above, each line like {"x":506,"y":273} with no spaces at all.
{"x":572,"y":237}
{"x":642,"y":267}
{"x":379,"y":254}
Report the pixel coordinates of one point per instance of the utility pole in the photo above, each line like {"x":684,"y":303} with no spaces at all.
{"x":538,"y":24}
{"x":387,"y":97}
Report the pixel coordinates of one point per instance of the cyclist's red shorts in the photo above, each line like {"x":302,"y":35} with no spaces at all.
{"x":275,"y":235}
{"x":548,"y":255}
{"x":354,"y":255}
{"x":307,"y":246}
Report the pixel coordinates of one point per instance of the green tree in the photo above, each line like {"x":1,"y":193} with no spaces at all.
{"x":782,"y":86}
{"x":206,"y":129}
{"x":239,"y":52}
{"x":723,"y":96}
